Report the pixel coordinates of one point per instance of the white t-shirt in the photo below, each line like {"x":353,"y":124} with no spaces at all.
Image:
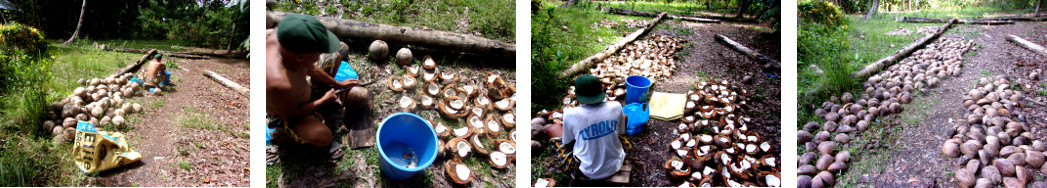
{"x":595,"y":129}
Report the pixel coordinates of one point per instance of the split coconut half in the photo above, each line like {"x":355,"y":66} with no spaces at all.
{"x":504,"y":104}
{"x":459,"y":148}
{"x":413,"y":71}
{"x":428,"y":63}
{"x":442,"y":130}
{"x":409,"y":82}
{"x":431,"y":88}
{"x":508,"y":119}
{"x":427,"y":102}
{"x":395,"y":84}
{"x":458,"y":172}
{"x":406,"y":103}
{"x":498,"y":159}
{"x":462,"y":132}
{"x":478,"y":145}
{"x":493,"y":128}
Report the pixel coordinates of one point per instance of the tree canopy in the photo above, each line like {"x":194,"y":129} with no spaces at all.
{"x":204,"y":23}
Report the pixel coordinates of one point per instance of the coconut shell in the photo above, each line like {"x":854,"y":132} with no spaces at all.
{"x":394,"y":81}
{"x":965,"y":177}
{"x":492,"y":131}
{"x":510,"y":122}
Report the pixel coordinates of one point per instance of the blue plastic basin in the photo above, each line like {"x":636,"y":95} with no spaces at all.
{"x":404,"y":138}
{"x":636,"y":89}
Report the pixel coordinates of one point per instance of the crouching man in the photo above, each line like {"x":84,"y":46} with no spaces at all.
{"x":290,"y":53}
{"x":591,"y":143}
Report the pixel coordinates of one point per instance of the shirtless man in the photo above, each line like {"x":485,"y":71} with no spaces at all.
{"x":155,"y":73}
{"x":290,"y":53}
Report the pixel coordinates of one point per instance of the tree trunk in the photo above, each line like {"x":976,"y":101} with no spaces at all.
{"x":1038,"y":5}
{"x":874,"y":67}
{"x":136,"y":65}
{"x":232,"y":34}
{"x":584,"y":64}
{"x":872,"y":10}
{"x":456,"y":42}
{"x":78,"y":23}
{"x":743,"y":5}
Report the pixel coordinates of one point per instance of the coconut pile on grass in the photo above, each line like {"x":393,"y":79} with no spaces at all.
{"x":651,"y":57}
{"x":847,"y":116}
{"x":484,"y":104}
{"x":993,"y":143}
{"x":101,"y":101}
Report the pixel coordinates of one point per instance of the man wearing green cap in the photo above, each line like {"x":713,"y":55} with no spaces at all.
{"x":290,"y":53}
{"x":155,"y":73}
{"x":593,"y":128}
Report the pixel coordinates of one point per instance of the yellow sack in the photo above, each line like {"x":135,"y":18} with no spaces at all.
{"x":96,"y":151}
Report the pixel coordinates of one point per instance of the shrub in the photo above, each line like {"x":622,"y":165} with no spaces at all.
{"x":25,"y":75}
{"x":821,"y":12}
{"x":22,"y":38}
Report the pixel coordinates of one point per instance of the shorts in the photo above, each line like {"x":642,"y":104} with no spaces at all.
{"x":568,"y":162}
{"x":283,"y":126}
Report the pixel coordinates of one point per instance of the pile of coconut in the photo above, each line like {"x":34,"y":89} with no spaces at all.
{"x":487,"y":110}
{"x":847,"y":116}
{"x":605,"y":23}
{"x":651,"y":57}
{"x":715,"y":145}
{"x":101,"y":102}
{"x":993,"y":140}
{"x":631,"y":23}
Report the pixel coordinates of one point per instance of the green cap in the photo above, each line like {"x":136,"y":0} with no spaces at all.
{"x":158,"y":56}
{"x":588,"y":89}
{"x":304,"y":34}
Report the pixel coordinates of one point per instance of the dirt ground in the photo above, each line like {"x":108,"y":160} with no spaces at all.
{"x":303,"y":166}
{"x":915,"y":157}
{"x":706,"y":58}
{"x":215,"y":157}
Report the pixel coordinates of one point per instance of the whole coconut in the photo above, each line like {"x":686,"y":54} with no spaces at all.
{"x":803,"y":181}
{"x":378,"y":50}
{"x":843,"y":156}
{"x":404,"y":57}
{"x":1035,"y":159}
{"x":992,"y":173}
{"x":806,"y":170}
{"x":1006,"y":167}
{"x":824,"y":162}
{"x":951,"y":149}
{"x":965,"y":177}
{"x":827,"y":177}
{"x":118,"y":120}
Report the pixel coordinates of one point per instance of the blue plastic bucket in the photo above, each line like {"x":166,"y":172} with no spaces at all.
{"x":638,"y":114}
{"x":407,"y":144}
{"x":636,"y":89}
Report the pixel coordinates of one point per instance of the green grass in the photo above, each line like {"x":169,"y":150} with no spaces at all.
{"x":867,"y":161}
{"x":973,"y":12}
{"x":185,"y":165}
{"x":680,"y":8}
{"x":156,"y":104}
{"x":491,"y":19}
{"x":555,"y":48}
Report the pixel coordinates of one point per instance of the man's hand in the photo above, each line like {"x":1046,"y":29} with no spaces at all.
{"x":328,"y":97}
{"x":349,"y":83}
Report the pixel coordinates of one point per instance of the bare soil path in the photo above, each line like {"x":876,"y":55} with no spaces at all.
{"x":174,"y":155}
{"x":911,"y":157}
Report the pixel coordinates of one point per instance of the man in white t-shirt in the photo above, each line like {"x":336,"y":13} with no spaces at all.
{"x":594,"y":128}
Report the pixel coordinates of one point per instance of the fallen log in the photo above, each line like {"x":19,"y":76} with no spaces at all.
{"x":359,"y":30}
{"x":648,"y":14}
{"x":961,"y":21}
{"x":171,"y":54}
{"x":767,"y":63}
{"x":228,"y":83}
{"x":132,"y":67}
{"x":904,"y":52}
{"x":584,"y":64}
{"x":1028,"y":45}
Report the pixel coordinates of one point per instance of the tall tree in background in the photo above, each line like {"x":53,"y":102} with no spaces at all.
{"x":743,"y":5}
{"x":78,"y":24}
{"x":1038,"y":5}
{"x":872,"y":10}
